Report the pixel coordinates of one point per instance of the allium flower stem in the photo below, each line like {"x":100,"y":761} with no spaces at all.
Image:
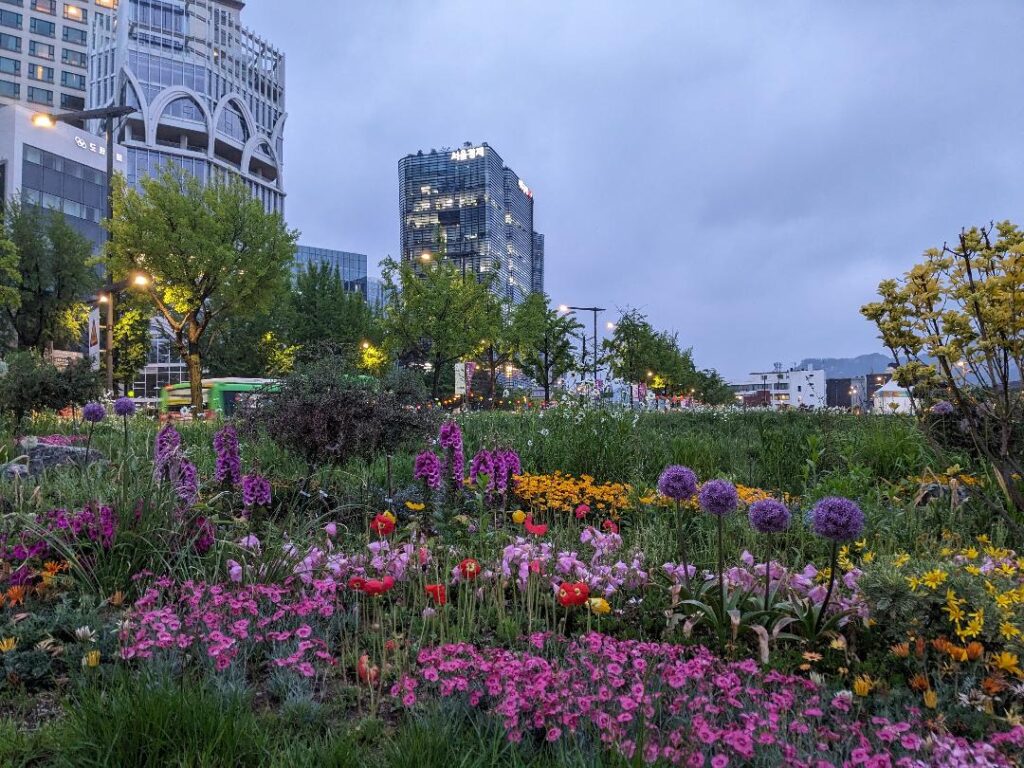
{"x":833,"y":564}
{"x":721,"y":579}
{"x":682,"y":545}
{"x":767,"y":571}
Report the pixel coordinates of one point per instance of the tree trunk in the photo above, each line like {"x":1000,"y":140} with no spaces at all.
{"x":435,"y":384}
{"x":195,"y":377}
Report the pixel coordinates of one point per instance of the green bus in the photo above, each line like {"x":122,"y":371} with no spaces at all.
{"x":220,"y":397}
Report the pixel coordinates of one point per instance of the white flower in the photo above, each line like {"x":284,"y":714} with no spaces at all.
{"x":85,"y":635}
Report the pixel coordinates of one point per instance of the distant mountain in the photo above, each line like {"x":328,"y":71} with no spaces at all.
{"x":845,"y":367}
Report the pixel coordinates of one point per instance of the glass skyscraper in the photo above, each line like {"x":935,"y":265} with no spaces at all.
{"x":210,"y":94}
{"x":466,"y":202}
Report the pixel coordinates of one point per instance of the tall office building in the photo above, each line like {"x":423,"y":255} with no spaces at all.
{"x":479,"y":211}
{"x":210,"y":94}
{"x":44,"y":48}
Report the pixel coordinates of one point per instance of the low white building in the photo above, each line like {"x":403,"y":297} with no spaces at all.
{"x":892,"y":398}
{"x":783,"y":388}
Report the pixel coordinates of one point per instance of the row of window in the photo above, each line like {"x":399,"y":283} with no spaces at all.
{"x":72,"y":12}
{"x":67,"y":207}
{"x":42,"y":96}
{"x":43,"y":28}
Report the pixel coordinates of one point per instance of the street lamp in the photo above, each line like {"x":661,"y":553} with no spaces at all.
{"x":566,"y":309}
{"x":107,"y":297}
{"x":109,"y":115}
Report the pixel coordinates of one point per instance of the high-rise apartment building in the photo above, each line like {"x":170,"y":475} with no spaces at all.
{"x":210,"y":93}
{"x":466,"y":203}
{"x":44,"y":46}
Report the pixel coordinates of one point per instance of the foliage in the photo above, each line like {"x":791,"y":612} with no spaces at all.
{"x":132,"y":339}
{"x":33,"y":384}
{"x":546,"y":350}
{"x":50,"y":274}
{"x":436,"y":315}
{"x":325,"y":415}
{"x":955,"y":322}
{"x":210,"y":251}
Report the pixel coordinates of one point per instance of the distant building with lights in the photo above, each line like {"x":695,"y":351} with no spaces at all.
{"x":480,"y":212}
{"x":44,"y":46}
{"x":352,"y":267}
{"x":783,"y":388}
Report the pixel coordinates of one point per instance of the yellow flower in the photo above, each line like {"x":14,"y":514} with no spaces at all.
{"x":8,"y":644}
{"x":838,"y":644}
{"x":971,"y":553}
{"x":518,"y":517}
{"x":901,"y":559}
{"x":415,"y":506}
{"x":862,"y":685}
{"x":869,"y":557}
{"x":91,"y":659}
{"x":1008,"y":631}
{"x":599,"y":606}
{"x":390,"y":515}
{"x":913,"y":582}
{"x":933,"y":579}
{"x":1007,"y":662}
{"x":973,"y":570}
{"x":931,"y":699}
{"x":860,"y":544}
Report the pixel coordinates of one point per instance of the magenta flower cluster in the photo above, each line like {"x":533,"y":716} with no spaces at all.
{"x":166,"y":453}
{"x":677,"y":482}
{"x":427,"y":467}
{"x":655,"y":702}
{"x":498,"y":466}
{"x":255,"y":491}
{"x":228,"y":465}
{"x":450,"y":439}
{"x":222,"y":623}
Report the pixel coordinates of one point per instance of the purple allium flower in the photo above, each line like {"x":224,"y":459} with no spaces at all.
{"x":837,"y":519}
{"x":124,"y":406}
{"x":718,"y":497}
{"x":677,"y":482}
{"x":187,"y":482}
{"x":229,"y":464}
{"x":769,"y":516}
{"x":943,"y":408}
{"x":427,"y":467}
{"x":94,"y":413}
{"x":255,"y":491}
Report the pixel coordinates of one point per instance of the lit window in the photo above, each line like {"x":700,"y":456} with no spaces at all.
{"x":74,"y":13}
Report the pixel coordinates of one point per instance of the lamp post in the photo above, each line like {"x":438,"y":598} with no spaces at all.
{"x":567,"y":309}
{"x":107,"y":297}
{"x":109,"y":115}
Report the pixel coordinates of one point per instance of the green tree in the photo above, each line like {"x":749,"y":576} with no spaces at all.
{"x":955,"y":323}
{"x":10,"y":278}
{"x":53,"y":275}
{"x":546,"y":351}
{"x":250,"y":346}
{"x":132,"y":338}
{"x":211,"y":251}
{"x":435,"y":315}
{"x":321,"y":310}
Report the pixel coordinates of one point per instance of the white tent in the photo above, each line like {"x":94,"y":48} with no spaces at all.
{"x":892,"y":398}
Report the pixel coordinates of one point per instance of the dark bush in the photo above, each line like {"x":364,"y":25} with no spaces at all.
{"x":33,"y":384}
{"x":327,"y":416}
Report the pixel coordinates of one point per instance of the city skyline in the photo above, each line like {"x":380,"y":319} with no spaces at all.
{"x":812,"y":152}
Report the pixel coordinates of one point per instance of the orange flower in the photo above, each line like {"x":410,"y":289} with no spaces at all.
{"x":16,"y":595}
{"x":993,"y":685}
{"x":941,"y":644}
{"x":975,"y":650}
{"x":956,"y":653}
{"x":919,"y":683}
{"x":901,"y":650}
{"x":117,"y":599}
{"x":919,"y":647}
{"x":931,"y":699}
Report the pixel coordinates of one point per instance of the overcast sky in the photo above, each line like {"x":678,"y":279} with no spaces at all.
{"x":743,"y":172}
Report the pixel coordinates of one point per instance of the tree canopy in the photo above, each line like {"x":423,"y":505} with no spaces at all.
{"x":210,"y":251}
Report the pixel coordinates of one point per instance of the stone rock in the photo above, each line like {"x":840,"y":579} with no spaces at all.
{"x":40,"y":458}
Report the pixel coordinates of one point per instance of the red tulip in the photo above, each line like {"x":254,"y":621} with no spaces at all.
{"x":534,"y":529}
{"x":610,"y":526}
{"x":582,"y":511}
{"x":536,"y":566}
{"x":377,"y":587}
{"x":469,"y":568}
{"x":367,"y":673}
{"x":382,"y":525}
{"x":574,"y":593}
{"x":438,"y":592}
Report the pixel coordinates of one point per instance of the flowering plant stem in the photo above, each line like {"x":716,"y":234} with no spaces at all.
{"x":767,"y":571}
{"x":721,"y":581}
{"x":682,"y":544}
{"x":833,"y":564}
